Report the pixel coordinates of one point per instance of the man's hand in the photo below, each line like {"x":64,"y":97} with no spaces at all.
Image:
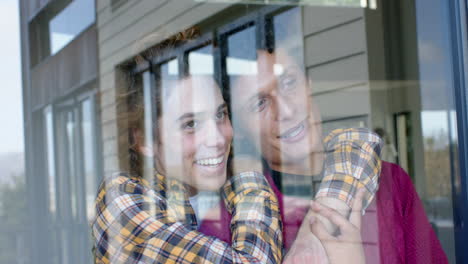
{"x":347,"y":246}
{"x":307,"y":248}
{"x":333,"y":203}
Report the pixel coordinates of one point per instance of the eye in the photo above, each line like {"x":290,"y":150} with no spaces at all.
{"x":259,"y":104}
{"x":221,"y":115}
{"x":288,"y":83}
{"x":190,"y":125}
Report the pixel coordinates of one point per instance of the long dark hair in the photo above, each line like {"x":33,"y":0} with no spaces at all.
{"x":131,"y":101}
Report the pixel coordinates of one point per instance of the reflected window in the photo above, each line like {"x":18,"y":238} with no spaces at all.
{"x":242,"y":52}
{"x":201,"y":61}
{"x":288,"y":34}
{"x":49,"y":133}
{"x":70,"y":22}
{"x":70,"y":127}
{"x":89,"y":155}
{"x":168,"y":74}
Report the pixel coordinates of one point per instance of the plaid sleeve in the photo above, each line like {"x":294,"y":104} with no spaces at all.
{"x":256,"y":222}
{"x":134,"y":225}
{"x":352,"y":161}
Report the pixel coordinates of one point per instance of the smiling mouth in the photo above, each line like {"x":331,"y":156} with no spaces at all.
{"x":294,"y":133}
{"x":210,"y":162}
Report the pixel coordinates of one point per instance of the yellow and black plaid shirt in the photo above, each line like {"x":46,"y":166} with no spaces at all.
{"x":352,"y":161}
{"x":152,"y":221}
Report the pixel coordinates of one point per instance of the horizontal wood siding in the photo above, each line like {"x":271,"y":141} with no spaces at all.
{"x":123,"y":33}
{"x":336,"y":60}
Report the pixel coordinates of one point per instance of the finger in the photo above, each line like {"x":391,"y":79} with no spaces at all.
{"x":319,"y":230}
{"x":355,"y":216}
{"x":332,"y":216}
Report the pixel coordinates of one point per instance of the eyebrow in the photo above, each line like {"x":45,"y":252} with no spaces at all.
{"x":192,"y":115}
{"x":287,"y":70}
{"x":256,"y":95}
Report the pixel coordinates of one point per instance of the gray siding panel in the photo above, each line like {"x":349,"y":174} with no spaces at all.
{"x":336,"y":60}
{"x":354,"y":101}
{"x":336,"y":43}
{"x":158,"y":20}
{"x":154,"y":28}
{"x":339,"y":74}
{"x":71,"y":68}
{"x":320,"y":18}
{"x":111,"y":23}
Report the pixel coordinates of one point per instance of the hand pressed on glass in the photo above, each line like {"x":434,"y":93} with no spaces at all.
{"x":346,"y":247}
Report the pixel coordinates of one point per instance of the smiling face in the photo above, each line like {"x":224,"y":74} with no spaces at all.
{"x":194,"y":134}
{"x":274,"y":109}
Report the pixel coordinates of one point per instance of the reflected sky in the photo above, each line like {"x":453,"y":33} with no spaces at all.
{"x":436,"y":122}
{"x":11,"y":113}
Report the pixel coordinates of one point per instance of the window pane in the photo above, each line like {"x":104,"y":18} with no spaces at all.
{"x":49,"y":129}
{"x":70,"y":22}
{"x":288,"y":32}
{"x":88,"y":128}
{"x":169,"y":73}
{"x":201,"y":61}
{"x":241,"y":52}
{"x":70,"y":127}
{"x":320,"y":98}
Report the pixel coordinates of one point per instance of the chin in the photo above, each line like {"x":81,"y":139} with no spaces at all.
{"x":208,"y":183}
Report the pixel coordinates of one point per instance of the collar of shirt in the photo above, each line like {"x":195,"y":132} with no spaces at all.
{"x":176,"y":194}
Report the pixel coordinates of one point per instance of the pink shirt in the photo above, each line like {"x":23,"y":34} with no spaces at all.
{"x":395,"y":226}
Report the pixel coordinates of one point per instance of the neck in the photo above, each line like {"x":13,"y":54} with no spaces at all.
{"x":191,"y":191}
{"x":312,"y":165}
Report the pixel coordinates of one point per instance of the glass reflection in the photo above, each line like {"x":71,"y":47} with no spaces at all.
{"x":49,"y":126}
{"x":201,"y":61}
{"x":89,"y":155}
{"x":70,"y":22}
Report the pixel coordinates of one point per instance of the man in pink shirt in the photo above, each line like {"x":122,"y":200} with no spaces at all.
{"x":274,"y":111}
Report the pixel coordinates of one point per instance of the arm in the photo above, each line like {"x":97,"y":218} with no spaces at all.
{"x":421,"y":242}
{"x":136,"y":225}
{"x":352,"y":162}
{"x":346,"y":247}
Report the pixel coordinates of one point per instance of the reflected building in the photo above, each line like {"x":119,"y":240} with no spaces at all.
{"x":371,"y":64}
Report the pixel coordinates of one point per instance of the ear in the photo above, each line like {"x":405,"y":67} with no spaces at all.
{"x":139,"y":141}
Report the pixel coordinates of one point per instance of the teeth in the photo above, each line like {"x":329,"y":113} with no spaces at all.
{"x":210,"y":162}
{"x":294,"y":132}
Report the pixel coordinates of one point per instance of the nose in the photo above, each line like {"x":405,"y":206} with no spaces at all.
{"x":284,"y":108}
{"x":214,"y":138}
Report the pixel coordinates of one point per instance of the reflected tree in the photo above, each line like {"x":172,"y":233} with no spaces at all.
{"x":13,"y":219}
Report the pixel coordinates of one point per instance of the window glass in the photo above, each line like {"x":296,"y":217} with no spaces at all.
{"x":241,"y":52}
{"x":70,"y":142}
{"x":70,"y":22}
{"x":201,"y":61}
{"x":89,"y":155}
{"x":290,"y":101}
{"x":49,"y":131}
{"x":168,"y":73}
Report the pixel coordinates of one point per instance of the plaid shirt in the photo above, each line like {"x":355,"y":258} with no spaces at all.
{"x":139,"y":221}
{"x":352,"y":161}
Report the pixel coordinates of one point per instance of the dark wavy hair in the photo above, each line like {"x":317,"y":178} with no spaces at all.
{"x":131,"y":109}
{"x":130,"y":101}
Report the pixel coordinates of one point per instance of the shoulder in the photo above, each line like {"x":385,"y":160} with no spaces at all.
{"x":395,"y":176}
{"x":396,"y":187}
{"x":122,"y":183}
